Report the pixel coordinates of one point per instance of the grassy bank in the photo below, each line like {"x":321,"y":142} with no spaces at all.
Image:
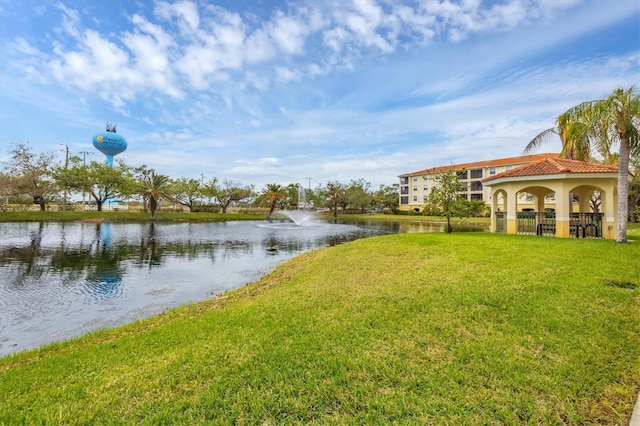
{"x":471,"y":328}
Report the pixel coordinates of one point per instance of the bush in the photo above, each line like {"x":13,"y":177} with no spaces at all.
{"x":206,"y":209}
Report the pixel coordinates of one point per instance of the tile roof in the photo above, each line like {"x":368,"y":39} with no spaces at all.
{"x":552,"y":166}
{"x":523,"y":159}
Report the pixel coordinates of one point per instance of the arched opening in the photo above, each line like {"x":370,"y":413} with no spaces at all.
{"x":586,"y":217}
{"x":499,"y":208}
{"x":536,"y":211}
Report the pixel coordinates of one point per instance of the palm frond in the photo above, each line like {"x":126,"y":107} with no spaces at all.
{"x":539,"y":139}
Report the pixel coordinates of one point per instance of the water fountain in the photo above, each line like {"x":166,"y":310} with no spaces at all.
{"x":301,"y":215}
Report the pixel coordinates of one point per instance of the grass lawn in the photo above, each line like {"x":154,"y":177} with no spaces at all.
{"x":468,"y":328}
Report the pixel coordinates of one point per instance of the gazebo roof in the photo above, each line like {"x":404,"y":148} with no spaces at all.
{"x":553,"y":166}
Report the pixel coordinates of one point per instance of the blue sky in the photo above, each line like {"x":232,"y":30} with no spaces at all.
{"x":273,"y":91}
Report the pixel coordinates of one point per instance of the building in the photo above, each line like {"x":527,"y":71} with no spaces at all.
{"x":415,"y":187}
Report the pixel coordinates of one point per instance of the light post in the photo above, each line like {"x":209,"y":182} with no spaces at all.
{"x":84,"y":168}
{"x":66,"y":165}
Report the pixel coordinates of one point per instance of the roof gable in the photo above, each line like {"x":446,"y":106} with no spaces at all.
{"x":523,"y":159}
{"x":553,"y":166}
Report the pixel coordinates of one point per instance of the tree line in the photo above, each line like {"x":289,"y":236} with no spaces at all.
{"x":30,"y":177}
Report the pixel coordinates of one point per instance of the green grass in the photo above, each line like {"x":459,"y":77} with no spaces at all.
{"x":468,"y":328}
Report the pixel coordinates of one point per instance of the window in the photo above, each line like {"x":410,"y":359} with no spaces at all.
{"x":415,"y":198}
{"x":404,"y":200}
{"x":425,"y":187}
{"x":509,"y":167}
{"x":476,"y":186}
{"x":462,"y":174}
{"x":476,"y":197}
{"x":476,"y":174}
{"x":415,"y":178}
{"x":404,"y":180}
{"x":492,"y":170}
{"x":415,"y":187}
{"x":425,"y":177}
{"x":404,"y":189}
{"x":424,"y":198}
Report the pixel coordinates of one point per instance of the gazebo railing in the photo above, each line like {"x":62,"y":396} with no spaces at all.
{"x":537,"y":223}
{"x":586,"y":225}
{"x":581,"y":225}
{"x":501,"y":222}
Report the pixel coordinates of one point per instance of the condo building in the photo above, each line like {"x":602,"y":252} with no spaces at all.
{"x":415,"y":187}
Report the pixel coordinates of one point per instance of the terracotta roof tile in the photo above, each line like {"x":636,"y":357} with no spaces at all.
{"x":523,"y":159}
{"x":552,"y":166}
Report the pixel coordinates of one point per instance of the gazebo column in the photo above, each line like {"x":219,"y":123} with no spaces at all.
{"x":608,"y":206}
{"x":563,"y":211}
{"x":512,"y":211}
{"x":494,"y":210}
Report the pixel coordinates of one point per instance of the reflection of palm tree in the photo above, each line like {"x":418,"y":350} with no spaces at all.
{"x":154,"y":187}
{"x":272,"y":193}
{"x":598,"y":125}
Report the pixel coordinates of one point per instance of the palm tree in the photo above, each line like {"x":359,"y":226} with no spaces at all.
{"x":597,"y":126}
{"x":154,"y":187}
{"x":272,"y":193}
{"x":335,"y":192}
{"x":574,"y":139}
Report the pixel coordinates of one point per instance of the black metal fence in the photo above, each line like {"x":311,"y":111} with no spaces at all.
{"x":501,"y":222}
{"x":586,"y":225}
{"x":581,"y":225}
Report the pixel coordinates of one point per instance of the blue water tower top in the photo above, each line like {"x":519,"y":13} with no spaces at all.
{"x":109,"y":143}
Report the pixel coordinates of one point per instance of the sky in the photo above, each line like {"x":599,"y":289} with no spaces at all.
{"x":305,"y":91}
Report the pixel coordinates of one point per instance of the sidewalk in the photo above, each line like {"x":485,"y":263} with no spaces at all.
{"x":635,"y":417}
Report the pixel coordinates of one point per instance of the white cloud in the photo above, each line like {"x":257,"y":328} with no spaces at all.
{"x":287,"y":33}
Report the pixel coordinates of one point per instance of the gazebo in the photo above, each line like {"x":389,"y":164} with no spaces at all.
{"x":572,"y":199}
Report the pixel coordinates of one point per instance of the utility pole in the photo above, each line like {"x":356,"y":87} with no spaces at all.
{"x":308,"y":193}
{"x":84,"y":165}
{"x":201,"y":186}
{"x":66,"y":165}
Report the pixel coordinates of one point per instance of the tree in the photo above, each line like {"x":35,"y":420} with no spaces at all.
{"x":186,"y":191}
{"x":101,"y":181}
{"x":210,"y":189}
{"x":271,"y":195}
{"x":386,"y":197}
{"x":32,"y":173}
{"x":292,"y":200}
{"x":6,"y":188}
{"x":154,"y":187}
{"x":445,"y":196}
{"x":229,"y":192}
{"x":358,"y":195}
{"x":335,"y":195}
{"x":597,"y":126}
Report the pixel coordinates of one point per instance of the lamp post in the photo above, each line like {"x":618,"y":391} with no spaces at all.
{"x":66,"y":165}
{"x":84,"y":165}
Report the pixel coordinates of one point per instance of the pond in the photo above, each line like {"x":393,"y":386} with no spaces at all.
{"x":60,"y":280}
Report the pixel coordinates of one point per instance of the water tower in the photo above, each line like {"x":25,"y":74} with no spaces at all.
{"x":110,"y":143}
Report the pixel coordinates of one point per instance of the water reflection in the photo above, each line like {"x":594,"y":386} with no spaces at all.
{"x":59,"y":280}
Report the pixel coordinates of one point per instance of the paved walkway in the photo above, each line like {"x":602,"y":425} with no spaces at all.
{"x":635,"y":417}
